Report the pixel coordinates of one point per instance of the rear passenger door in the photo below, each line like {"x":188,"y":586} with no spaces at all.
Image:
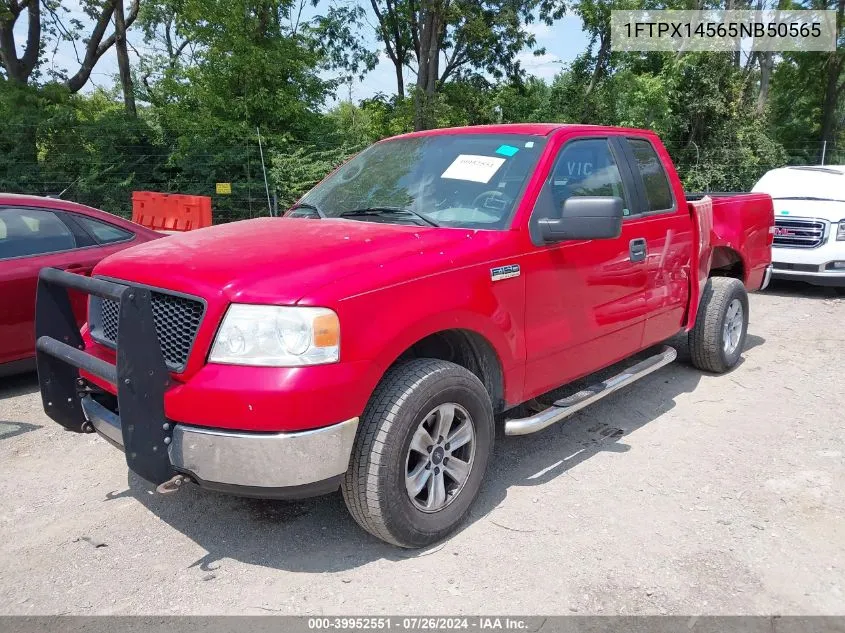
{"x":665,"y":227}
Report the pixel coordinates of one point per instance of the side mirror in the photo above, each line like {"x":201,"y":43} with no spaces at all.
{"x":585,"y":218}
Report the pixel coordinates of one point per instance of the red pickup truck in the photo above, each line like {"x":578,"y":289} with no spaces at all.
{"x":433,"y":286}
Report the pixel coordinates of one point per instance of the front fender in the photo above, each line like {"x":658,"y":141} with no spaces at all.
{"x":378,"y":326}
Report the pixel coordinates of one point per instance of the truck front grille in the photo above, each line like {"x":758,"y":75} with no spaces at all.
{"x":799,"y":233}
{"x":176,"y":318}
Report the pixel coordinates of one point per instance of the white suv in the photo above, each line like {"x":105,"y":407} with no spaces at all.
{"x":809,"y":223}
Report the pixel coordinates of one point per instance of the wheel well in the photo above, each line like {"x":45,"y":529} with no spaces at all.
{"x":727,"y":263}
{"x":467,"y":349}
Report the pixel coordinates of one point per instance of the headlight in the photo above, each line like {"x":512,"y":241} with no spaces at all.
{"x":840,"y":233}
{"x":277,"y":336}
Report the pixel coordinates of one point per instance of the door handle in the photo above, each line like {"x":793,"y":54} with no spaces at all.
{"x":637,"y":249}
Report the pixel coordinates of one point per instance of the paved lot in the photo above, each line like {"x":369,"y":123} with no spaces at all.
{"x":683,"y":494}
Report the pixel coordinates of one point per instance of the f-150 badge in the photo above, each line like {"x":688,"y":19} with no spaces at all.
{"x":504,"y":272}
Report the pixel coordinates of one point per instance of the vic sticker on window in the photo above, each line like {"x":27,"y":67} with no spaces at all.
{"x":574,"y":170}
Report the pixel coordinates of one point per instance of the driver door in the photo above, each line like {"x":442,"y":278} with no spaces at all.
{"x":585,"y":299}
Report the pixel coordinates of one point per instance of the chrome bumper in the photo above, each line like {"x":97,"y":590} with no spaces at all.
{"x":767,"y":277}
{"x":251,"y":461}
{"x":820,"y":277}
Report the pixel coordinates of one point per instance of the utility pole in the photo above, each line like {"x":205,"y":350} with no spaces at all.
{"x":264,"y":169}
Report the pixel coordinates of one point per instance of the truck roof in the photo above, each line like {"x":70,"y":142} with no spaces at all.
{"x":542,"y":129}
{"x":824,"y":182}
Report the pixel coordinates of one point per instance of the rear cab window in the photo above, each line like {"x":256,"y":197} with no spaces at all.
{"x":656,"y":191}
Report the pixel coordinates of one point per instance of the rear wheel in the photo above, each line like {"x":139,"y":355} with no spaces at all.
{"x":420,"y":454}
{"x":718,"y":338}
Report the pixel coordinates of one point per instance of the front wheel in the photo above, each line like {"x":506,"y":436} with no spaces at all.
{"x":718,"y":338}
{"x":421,"y":452}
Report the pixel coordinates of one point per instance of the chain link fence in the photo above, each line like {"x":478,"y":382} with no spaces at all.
{"x":290,"y":169}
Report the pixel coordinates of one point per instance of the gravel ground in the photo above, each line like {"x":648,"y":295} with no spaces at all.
{"x":685,"y":493}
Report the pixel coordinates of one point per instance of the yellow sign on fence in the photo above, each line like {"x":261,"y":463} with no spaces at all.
{"x":224,"y":188}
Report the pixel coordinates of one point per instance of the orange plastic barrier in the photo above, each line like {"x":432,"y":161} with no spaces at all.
{"x":170,"y":211}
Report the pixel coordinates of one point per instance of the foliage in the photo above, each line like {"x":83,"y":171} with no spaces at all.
{"x":48,"y":24}
{"x":85,"y":143}
{"x":216,"y":73}
{"x":457,"y":40}
{"x":299,"y":169}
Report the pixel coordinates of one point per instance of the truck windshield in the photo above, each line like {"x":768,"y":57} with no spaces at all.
{"x":461,"y":180}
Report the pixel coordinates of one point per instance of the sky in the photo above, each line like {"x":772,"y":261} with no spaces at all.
{"x":563,"y":41}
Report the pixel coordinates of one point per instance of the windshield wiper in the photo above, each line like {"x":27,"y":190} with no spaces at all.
{"x":308,"y":205}
{"x":387,"y":211}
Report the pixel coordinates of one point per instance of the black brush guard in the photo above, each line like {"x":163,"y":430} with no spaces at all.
{"x":141,"y":376}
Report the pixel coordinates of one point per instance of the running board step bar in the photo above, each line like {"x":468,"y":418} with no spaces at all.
{"x":565,"y":407}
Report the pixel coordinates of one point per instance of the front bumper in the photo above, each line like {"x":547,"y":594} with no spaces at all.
{"x":819,"y":266}
{"x":810,"y":273}
{"x":273,"y":464}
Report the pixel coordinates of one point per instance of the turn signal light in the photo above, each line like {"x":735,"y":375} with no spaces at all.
{"x":326,"y":330}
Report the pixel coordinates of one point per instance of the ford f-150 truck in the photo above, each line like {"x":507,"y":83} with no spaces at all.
{"x":437,"y":284}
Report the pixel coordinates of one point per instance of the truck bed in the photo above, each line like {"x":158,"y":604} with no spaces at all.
{"x":743,"y":225}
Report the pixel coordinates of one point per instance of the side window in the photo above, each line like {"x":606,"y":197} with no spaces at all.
{"x":26,"y":232}
{"x":103,"y":232}
{"x":657,"y":191}
{"x":587,"y":168}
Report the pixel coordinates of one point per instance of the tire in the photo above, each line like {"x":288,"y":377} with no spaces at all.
{"x":709,"y":343}
{"x":375,"y":488}
{"x":840,"y":290}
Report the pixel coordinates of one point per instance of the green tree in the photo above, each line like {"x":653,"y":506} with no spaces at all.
{"x":449,"y":40}
{"x":215,"y":72}
{"x":807,"y":101}
{"x":48,"y":23}
{"x":22,"y":82}
{"x":524,"y":101}
{"x":222,"y":71}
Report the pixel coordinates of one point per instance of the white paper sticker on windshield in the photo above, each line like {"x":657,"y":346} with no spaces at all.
{"x":473,"y":167}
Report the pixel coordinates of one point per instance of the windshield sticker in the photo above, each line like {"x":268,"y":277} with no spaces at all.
{"x":507,"y":150}
{"x":529,"y":144}
{"x":473,"y":168}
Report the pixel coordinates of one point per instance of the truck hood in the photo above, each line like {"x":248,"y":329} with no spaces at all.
{"x":272,"y":260}
{"x":830,"y":210}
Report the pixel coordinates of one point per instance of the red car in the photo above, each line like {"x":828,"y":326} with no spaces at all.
{"x":39,"y":232}
{"x":371,"y":340}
